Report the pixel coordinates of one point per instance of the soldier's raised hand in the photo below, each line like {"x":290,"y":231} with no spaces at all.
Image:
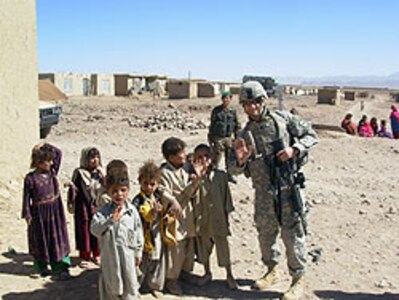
{"x":243,"y":152}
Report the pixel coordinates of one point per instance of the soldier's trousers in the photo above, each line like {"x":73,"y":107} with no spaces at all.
{"x":220,"y":147}
{"x":291,"y":229}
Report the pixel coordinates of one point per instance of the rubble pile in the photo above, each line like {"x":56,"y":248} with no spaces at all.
{"x":167,"y":120}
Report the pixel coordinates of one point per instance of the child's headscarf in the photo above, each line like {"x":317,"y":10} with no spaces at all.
{"x":84,"y":156}
{"x":84,"y":164}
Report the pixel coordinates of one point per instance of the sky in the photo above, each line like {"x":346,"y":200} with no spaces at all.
{"x":219,"y":39}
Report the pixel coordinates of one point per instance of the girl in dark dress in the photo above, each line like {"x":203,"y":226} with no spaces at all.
{"x":44,"y":213}
{"x":86,"y":183}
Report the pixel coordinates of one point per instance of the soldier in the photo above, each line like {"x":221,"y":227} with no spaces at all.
{"x":270,"y":149}
{"x":224,"y":124}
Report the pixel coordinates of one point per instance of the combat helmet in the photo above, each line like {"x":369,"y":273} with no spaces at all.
{"x":251,"y":91}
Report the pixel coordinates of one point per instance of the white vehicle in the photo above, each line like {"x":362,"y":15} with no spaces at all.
{"x":49,"y":115}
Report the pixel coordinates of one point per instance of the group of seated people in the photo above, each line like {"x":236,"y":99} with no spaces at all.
{"x":366,"y":127}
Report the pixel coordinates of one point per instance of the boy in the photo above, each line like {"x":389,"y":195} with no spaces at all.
{"x":176,"y":191}
{"x":117,"y":225}
{"x":148,"y":204}
{"x":212,"y":206}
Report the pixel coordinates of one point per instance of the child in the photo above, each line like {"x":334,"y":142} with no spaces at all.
{"x":348,"y":124}
{"x":148,"y":204}
{"x":364,"y":128}
{"x":213,"y":204}
{"x":176,"y":191}
{"x":374,"y":125}
{"x":44,"y":213}
{"x":117,"y":225}
{"x":86,"y":181}
{"x":102,"y":197}
{"x":384,"y":131}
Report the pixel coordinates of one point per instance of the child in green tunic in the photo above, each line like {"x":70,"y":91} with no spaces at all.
{"x":212,"y":206}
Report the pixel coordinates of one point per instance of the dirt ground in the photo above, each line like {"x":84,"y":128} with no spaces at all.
{"x":351,"y":187}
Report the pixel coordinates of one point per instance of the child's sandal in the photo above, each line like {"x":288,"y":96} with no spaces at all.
{"x":84,"y":264}
{"x":35,"y":275}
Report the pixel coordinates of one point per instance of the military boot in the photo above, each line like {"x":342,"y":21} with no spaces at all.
{"x":270,"y":278}
{"x":296,"y":290}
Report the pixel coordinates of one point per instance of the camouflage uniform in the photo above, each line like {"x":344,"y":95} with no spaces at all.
{"x":224,"y":123}
{"x":261,"y":134}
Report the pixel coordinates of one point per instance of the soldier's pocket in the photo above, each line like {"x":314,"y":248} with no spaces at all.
{"x":298,"y":227}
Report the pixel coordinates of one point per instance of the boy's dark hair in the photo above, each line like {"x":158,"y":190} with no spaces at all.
{"x":172,"y":146}
{"x":383,"y":122}
{"x":150,"y":171}
{"x":117,"y":173}
{"x":202,"y":147}
{"x":116,"y":164}
{"x":44,"y":153}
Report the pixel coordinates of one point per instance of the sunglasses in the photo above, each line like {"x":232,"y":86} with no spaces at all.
{"x":251,"y":101}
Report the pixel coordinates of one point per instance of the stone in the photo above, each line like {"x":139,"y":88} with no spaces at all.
{"x":4,"y":193}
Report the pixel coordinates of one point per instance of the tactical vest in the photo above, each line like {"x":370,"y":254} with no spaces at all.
{"x":224,"y":123}
{"x":262,"y":135}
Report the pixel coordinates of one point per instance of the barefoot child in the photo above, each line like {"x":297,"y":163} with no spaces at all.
{"x":212,"y":206}
{"x":150,"y":208}
{"x":44,"y":213}
{"x":176,"y":191}
{"x":86,"y":182}
{"x":117,"y":225}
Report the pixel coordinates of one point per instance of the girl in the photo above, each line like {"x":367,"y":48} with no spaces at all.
{"x":374,"y":125}
{"x":348,"y":124}
{"x":83,"y":190}
{"x":364,"y":128}
{"x":117,"y":225}
{"x":43,"y":211}
{"x":384,"y":131}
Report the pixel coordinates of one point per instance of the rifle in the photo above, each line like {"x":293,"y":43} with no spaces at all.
{"x":283,"y":175}
{"x":286,"y":174}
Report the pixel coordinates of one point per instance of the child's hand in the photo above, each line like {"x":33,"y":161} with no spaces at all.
{"x":68,"y":184}
{"x":117,"y":214}
{"x":175,"y":208}
{"x":37,"y":147}
{"x":138,"y":261}
{"x":158,"y":207}
{"x":28,"y":221}
{"x":100,"y":173}
{"x":200,"y":170}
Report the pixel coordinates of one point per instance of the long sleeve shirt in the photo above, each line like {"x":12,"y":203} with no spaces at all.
{"x":175,"y":185}
{"x":121,"y":243}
